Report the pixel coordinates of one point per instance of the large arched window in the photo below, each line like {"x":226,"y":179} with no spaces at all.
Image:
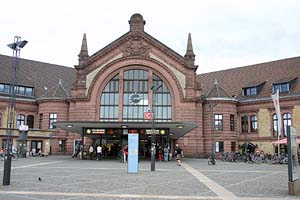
{"x":136,"y":93}
{"x":110,"y":101}
{"x":287,"y":121}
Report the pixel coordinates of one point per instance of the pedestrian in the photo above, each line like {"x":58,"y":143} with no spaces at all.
{"x":99,"y":152}
{"x":91,"y":151}
{"x":178,"y":154}
{"x":125,"y":153}
{"x":166,"y":153}
{"x":160,"y":153}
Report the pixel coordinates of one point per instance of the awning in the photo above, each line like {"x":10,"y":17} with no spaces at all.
{"x":176,"y":129}
{"x":284,"y":141}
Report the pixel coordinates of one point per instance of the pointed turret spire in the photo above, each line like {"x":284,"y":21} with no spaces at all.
{"x":83,"y":55}
{"x":189,"y":56}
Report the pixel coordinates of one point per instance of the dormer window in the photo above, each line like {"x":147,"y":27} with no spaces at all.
{"x":250,"y":91}
{"x":19,"y":90}
{"x":281,"y":87}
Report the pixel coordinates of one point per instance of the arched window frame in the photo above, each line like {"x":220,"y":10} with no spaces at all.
{"x":30,"y":121}
{"x":253,"y":123}
{"x":287,"y":121}
{"x":275,"y":125}
{"x":137,"y":81}
{"x":20,"y":120}
{"x":244,"y":123}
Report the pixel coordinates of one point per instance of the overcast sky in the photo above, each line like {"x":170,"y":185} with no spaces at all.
{"x":225,"y":33}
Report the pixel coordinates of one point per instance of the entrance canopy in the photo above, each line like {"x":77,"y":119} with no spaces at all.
{"x":284,"y":141}
{"x":176,"y":129}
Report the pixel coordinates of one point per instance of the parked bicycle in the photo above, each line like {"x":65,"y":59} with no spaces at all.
{"x":14,"y":155}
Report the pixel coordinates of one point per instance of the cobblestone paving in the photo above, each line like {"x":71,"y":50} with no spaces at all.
{"x":65,"y":178}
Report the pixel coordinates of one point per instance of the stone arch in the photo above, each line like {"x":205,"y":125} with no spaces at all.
{"x":112,"y":69}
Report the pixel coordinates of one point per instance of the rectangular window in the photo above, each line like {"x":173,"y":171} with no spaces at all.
{"x":281,"y":87}
{"x":36,"y":147}
{"x":232,"y":123}
{"x":219,"y":147}
{"x":28,"y":91}
{"x":250,"y":91}
{"x":52,"y":119}
{"x":245,"y":124}
{"x":218,"y":122}
{"x":62,"y":145}
{"x":232,"y":146}
{"x":41,"y":121}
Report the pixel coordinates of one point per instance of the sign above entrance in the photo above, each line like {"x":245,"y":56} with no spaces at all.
{"x":95,"y":131}
{"x":149,"y":131}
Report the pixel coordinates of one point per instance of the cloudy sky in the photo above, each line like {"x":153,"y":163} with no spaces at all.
{"x":225,"y":33}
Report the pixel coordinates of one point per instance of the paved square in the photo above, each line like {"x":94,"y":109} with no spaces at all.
{"x":65,"y":178}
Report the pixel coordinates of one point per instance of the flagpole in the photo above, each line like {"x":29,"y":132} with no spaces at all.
{"x":275,"y":98}
{"x":278,"y":142}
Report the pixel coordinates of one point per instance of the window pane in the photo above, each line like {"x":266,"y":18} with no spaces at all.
{"x":21,"y":90}
{"x":1,"y":87}
{"x":29,"y":92}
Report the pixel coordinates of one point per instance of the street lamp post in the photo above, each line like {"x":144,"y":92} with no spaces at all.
{"x":16,"y":47}
{"x":153,"y":145}
{"x":212,"y":157}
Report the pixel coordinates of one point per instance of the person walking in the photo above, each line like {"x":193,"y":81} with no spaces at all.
{"x":91,"y":151}
{"x":125,"y":153}
{"x":160,"y":153}
{"x":178,"y":154}
{"x":99,"y":152}
{"x":166,"y":153}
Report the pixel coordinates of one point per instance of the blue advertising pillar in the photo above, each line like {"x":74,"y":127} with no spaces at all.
{"x":133,"y":152}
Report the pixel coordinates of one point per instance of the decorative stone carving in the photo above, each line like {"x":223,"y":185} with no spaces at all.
{"x":135,"y":46}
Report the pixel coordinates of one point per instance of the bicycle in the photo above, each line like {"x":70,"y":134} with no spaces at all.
{"x":14,"y":156}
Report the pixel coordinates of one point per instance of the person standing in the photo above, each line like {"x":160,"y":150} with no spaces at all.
{"x":99,"y":152}
{"x":178,"y":154}
{"x":91,"y":151}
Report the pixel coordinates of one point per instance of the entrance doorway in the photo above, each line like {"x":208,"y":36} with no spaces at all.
{"x":112,"y":141}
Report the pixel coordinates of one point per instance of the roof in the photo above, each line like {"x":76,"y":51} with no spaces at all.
{"x":42,"y":76}
{"x":217,"y":91}
{"x":235,"y":79}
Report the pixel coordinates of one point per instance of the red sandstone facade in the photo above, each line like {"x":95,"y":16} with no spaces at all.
{"x":215,"y":102}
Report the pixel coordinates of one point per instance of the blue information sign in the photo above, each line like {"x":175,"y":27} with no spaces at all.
{"x":133,"y":152}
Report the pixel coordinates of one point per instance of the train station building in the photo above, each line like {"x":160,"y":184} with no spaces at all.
{"x":136,"y":84}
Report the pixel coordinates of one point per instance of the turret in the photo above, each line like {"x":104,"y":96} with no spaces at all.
{"x":83,"y":55}
{"x":189,"y":56}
